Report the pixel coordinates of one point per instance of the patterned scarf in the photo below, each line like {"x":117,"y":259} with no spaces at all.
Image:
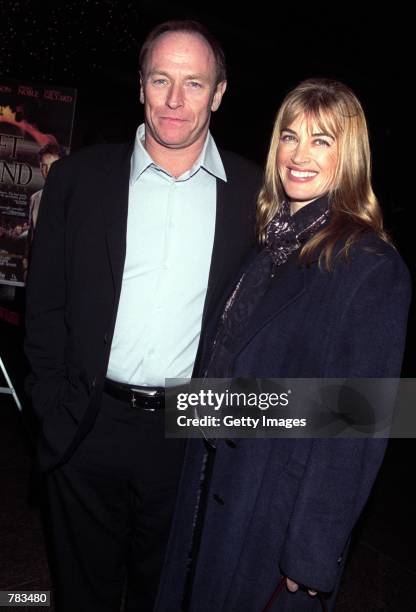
{"x":285,"y":235}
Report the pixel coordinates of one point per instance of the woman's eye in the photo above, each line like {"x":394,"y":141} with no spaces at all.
{"x":287,"y":138}
{"x":322,"y":143}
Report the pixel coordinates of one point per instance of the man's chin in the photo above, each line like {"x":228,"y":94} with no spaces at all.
{"x":176,"y":138}
{"x":176,"y":141}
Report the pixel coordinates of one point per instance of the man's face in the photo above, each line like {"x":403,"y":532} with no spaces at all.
{"x":178,"y":90}
{"x":46,"y":162}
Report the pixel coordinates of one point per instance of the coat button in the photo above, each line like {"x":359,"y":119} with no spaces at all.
{"x":231,"y":443}
{"x":218,"y":499}
{"x":339,"y":559}
{"x":93,"y":383}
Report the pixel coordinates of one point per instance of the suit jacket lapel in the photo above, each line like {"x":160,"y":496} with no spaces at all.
{"x":220,"y":250}
{"x":115,"y":207}
{"x":234,"y":235}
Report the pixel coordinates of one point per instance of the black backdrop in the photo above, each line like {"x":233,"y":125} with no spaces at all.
{"x":92,"y":45}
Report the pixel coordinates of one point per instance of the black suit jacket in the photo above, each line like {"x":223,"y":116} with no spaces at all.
{"x":75,"y":277}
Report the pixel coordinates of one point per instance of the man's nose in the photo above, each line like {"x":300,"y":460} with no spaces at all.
{"x":175,"y":96}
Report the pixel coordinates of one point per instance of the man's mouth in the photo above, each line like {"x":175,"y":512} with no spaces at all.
{"x":173,"y":119}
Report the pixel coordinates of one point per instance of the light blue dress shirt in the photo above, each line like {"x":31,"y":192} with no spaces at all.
{"x":170,"y":234}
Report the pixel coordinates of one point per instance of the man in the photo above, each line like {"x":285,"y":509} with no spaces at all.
{"x":47,"y":155}
{"x":134,"y":248}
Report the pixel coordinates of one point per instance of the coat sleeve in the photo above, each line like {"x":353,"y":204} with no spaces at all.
{"x":368,"y":341}
{"x":46,"y":332}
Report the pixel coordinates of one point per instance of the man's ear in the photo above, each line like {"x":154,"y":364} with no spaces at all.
{"x":141,"y":89}
{"x":219,"y":92}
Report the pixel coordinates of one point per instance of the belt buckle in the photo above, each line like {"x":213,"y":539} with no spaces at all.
{"x":142,"y":392}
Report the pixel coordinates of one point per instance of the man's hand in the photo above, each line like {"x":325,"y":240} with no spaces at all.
{"x":293,"y":587}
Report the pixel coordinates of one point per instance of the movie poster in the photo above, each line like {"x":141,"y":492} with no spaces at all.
{"x":36,"y":123}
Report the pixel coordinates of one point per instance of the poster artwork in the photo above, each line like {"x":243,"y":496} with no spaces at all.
{"x":35,"y":130}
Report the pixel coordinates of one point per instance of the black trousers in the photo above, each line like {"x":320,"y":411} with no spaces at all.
{"x":110,"y":509}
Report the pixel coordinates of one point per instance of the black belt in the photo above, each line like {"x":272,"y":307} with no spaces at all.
{"x":144,"y":398}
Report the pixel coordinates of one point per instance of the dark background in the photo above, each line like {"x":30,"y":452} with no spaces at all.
{"x":93,"y":46}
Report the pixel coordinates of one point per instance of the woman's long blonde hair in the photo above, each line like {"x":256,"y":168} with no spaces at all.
{"x":335,"y":109}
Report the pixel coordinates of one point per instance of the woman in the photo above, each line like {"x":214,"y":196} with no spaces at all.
{"x":326,"y":297}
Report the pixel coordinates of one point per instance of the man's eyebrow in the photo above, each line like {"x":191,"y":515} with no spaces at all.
{"x":153,"y":72}
{"x":197,"y":76}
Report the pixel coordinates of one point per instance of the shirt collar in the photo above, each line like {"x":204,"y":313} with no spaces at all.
{"x":209,"y":159}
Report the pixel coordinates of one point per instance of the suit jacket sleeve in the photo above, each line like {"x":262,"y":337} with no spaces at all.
{"x":46,"y":331}
{"x":340,"y":472}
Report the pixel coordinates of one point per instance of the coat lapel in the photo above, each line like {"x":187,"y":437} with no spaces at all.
{"x":287,"y":286}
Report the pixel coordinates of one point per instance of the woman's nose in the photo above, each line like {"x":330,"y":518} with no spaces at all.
{"x":301,"y":154}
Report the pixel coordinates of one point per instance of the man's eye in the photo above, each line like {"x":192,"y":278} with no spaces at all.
{"x":195,"y":84}
{"x":159,"y":81}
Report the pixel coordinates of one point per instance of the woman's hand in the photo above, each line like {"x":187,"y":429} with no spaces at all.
{"x":294,"y":586}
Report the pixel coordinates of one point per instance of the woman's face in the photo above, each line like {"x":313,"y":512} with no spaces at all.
{"x":306,"y":161}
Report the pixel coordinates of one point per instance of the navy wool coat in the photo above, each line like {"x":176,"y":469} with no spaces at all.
{"x":287,"y":506}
